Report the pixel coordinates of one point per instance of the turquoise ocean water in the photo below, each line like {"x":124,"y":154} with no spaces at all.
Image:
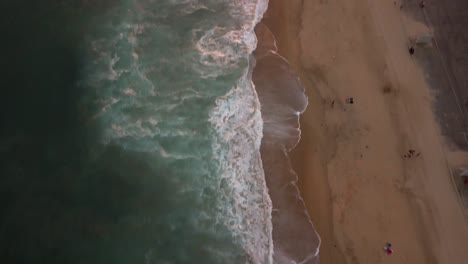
{"x":131,"y":133}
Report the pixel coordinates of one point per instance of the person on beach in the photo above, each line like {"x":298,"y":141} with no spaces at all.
{"x":388,"y":248}
{"x":350,"y":100}
{"x":401,"y":4}
{"x":410,"y":153}
{"x":411,"y":50}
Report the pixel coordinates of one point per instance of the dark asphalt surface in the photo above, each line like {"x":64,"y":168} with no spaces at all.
{"x":446,"y":64}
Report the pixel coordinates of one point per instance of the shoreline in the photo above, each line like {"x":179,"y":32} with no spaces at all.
{"x":359,"y":190}
{"x":284,"y":20}
{"x":281,"y":95}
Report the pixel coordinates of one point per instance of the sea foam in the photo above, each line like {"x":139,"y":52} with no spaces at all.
{"x":237,"y":120}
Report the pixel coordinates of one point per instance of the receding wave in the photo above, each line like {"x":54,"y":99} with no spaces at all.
{"x":283,"y":99}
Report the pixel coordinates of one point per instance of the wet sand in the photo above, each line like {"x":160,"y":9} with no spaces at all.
{"x":282,"y":98}
{"x":360,"y":190}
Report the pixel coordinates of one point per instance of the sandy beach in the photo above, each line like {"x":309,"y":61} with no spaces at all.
{"x":360,"y":189}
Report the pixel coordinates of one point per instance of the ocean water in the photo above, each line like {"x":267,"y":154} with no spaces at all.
{"x":131,"y":133}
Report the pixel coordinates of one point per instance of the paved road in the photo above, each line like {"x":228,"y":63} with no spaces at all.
{"x":447,"y":64}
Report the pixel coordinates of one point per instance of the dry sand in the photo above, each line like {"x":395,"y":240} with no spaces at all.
{"x":360,"y":190}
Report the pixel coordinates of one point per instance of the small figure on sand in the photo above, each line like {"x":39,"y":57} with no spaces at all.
{"x":411,"y":153}
{"x":411,"y":50}
{"x":333,"y":103}
{"x":422,"y":4}
{"x":388,"y":248}
{"x":350,"y":100}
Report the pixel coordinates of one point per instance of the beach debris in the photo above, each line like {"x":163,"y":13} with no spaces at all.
{"x":350,"y":100}
{"x":387,"y":88}
{"x":424,"y":40}
{"x":333,"y":103}
{"x":411,"y":50}
{"x":464,"y":172}
{"x":388,"y":248}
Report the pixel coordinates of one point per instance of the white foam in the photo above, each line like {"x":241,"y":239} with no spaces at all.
{"x":238,"y":122}
{"x":221,"y":49}
{"x":226,"y":46}
{"x":237,"y":119}
{"x":130,"y":92}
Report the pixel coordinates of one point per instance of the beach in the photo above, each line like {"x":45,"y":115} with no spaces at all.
{"x":359,"y":182}
{"x":183,"y":131}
